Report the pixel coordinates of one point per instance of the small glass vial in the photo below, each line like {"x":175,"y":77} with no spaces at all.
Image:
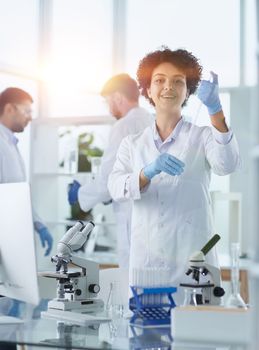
{"x":190,"y":297}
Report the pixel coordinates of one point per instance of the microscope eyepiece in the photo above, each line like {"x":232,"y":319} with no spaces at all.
{"x":209,"y":245}
{"x":196,"y":275}
{"x":204,"y":271}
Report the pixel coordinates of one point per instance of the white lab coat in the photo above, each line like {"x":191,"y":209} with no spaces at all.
{"x":12,"y":168}
{"x":136,"y":120}
{"x":171,"y":218}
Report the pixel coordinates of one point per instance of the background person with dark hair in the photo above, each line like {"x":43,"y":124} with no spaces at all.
{"x":122,"y":96}
{"x":15,"y":115}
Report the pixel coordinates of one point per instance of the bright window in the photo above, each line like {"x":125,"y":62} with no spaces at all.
{"x":250,"y":43}
{"x":81,"y":57}
{"x":210,"y":29}
{"x":19,"y":33}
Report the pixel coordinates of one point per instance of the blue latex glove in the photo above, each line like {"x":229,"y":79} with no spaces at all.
{"x":15,"y":309}
{"x":73,"y":192}
{"x":45,"y":236}
{"x":165,"y":162}
{"x":208,"y":93}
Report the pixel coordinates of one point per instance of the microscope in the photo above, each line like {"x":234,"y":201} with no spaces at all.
{"x":204,"y":277}
{"x":76,"y":290}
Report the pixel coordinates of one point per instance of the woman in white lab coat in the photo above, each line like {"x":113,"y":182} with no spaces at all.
{"x":166,"y":169}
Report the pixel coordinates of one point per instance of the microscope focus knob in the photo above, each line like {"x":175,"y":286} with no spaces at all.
{"x":94,"y":288}
{"x":218,"y":292}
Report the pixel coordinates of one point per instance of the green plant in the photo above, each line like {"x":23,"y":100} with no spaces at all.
{"x":86,"y":151}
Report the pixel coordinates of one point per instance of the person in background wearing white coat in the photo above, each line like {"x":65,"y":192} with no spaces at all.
{"x":15,"y":114}
{"x":122,"y":95}
{"x":166,"y":169}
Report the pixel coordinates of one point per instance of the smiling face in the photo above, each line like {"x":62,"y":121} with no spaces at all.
{"x":168,"y":88}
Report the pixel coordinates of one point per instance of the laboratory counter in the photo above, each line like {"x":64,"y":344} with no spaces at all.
{"x":117,"y":333}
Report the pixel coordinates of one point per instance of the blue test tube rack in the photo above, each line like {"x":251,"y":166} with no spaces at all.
{"x":151,"y":306}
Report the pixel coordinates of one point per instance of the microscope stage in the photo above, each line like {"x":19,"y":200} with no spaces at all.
{"x":194,"y":285}
{"x":60,"y":275}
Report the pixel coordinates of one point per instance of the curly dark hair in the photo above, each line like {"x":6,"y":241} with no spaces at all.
{"x":180,"y":58}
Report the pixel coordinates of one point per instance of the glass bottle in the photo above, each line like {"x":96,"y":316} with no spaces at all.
{"x":114,"y":304}
{"x":235,"y":300}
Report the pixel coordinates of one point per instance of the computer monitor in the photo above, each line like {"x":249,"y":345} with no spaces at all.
{"x":18,"y":271}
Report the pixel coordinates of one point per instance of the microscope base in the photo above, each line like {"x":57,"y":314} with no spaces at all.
{"x":75,"y":318}
{"x":87,"y":305}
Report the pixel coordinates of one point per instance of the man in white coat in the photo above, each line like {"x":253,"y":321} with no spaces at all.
{"x":166,"y":170}
{"x":15,"y":115}
{"x":122,"y":95}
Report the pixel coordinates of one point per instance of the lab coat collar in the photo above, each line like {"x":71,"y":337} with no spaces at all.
{"x":174,"y":134}
{"x":9,"y":134}
{"x":133,"y":111}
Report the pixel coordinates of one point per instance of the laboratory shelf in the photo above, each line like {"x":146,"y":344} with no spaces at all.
{"x":72,"y":222}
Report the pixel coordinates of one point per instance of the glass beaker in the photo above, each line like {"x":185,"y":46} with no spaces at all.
{"x":71,"y":156}
{"x":190,"y":296}
{"x":235,"y":299}
{"x":95,"y":164}
{"x":114,"y":303}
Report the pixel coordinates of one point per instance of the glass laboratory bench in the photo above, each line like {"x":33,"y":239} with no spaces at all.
{"x":36,"y":332}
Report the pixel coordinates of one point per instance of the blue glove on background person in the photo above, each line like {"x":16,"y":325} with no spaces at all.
{"x":45,"y":236}
{"x":15,"y":309}
{"x":165,"y":162}
{"x":73,"y":192}
{"x":208,"y":93}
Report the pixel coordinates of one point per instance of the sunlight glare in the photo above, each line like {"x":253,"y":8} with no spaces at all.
{"x":73,"y":76}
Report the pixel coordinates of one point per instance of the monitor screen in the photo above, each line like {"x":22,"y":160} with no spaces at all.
{"x":18,"y":271}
